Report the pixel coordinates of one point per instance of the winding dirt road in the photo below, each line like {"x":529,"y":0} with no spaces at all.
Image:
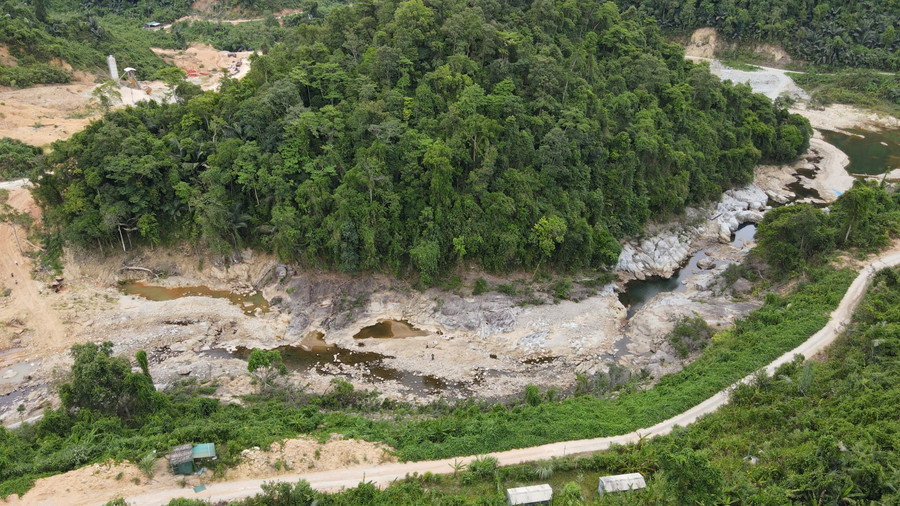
{"x":383,"y":475}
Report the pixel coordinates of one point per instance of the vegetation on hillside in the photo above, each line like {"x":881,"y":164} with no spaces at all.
{"x":418,"y":136}
{"x":18,"y":159}
{"x":867,"y":88}
{"x":76,"y":35}
{"x":83,"y":34}
{"x":864,"y":217}
{"x":856,"y":34}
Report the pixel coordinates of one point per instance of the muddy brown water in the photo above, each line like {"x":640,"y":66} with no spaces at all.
{"x":247,"y":302}
{"x":315,"y":354}
{"x":386,"y":329}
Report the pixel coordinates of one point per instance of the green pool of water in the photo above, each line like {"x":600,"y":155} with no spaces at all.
{"x":872,"y":153}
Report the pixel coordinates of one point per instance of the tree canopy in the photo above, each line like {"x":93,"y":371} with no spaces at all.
{"x":412,"y":133}
{"x":864,"y":217}
{"x":104,"y":383}
{"x":17,"y":159}
{"x":858,"y":34}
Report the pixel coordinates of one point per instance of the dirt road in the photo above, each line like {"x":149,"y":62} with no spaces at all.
{"x":26,"y":304}
{"x":383,"y":475}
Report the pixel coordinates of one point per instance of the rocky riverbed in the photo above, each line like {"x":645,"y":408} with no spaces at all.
{"x":490,"y":345}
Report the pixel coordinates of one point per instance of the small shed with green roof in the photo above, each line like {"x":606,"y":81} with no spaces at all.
{"x":182,"y":457}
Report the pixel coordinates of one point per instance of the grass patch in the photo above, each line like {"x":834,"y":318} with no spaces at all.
{"x":863,"y":87}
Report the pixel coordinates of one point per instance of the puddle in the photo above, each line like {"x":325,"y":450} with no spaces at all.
{"x":386,"y":329}
{"x":16,"y":373}
{"x":870,"y":153}
{"x":314,"y":354}
{"x":247,"y":302}
{"x":542,"y":360}
{"x":744,"y":234}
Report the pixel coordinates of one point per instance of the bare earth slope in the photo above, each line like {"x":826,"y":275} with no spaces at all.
{"x":26,"y":302}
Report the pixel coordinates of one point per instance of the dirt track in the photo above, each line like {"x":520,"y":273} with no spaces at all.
{"x":26,"y":303}
{"x":385,"y":474}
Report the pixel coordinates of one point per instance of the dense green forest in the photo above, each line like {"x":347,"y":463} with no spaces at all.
{"x":857,"y":34}
{"x":395,"y":134}
{"x":791,"y":237}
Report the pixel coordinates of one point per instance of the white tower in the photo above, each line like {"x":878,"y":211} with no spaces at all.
{"x":113,"y":69}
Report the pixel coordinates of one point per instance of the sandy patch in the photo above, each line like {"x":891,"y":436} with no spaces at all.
{"x":828,"y":163}
{"x":842,"y":117}
{"x":98,"y":483}
{"x":833,"y":176}
{"x":42,"y":114}
{"x":206,"y":65}
{"x":773,"y":52}
{"x":41,"y":328}
{"x":305,"y":454}
{"x":705,"y":42}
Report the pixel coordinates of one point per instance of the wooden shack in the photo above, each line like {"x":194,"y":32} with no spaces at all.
{"x":621,"y":483}
{"x":182,"y":458}
{"x":533,"y":495}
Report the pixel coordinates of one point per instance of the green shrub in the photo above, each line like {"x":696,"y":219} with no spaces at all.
{"x":23,"y":76}
{"x":689,"y":335}
{"x":480,"y":287}
{"x":18,"y":159}
{"x":561,"y":288}
{"x":532,"y":395}
{"x":483,"y":467}
{"x":147,"y":463}
{"x":508,"y":289}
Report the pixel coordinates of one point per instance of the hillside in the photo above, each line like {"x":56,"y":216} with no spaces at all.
{"x":855,"y":34}
{"x":412,"y":136}
{"x":41,"y":43}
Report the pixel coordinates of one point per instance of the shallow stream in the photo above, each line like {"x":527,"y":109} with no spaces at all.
{"x":638,"y":291}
